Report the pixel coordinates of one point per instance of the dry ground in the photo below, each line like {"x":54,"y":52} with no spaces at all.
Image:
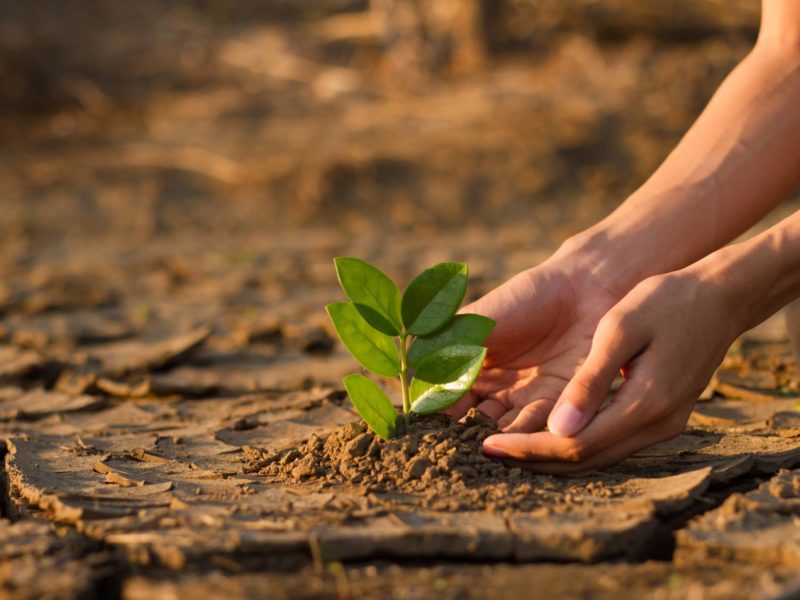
{"x":170,"y":206}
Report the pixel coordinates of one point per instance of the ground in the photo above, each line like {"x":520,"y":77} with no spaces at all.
{"x":171,"y":205}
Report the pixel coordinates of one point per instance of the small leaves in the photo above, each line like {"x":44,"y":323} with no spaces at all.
{"x":377,"y":352}
{"x":433,"y":297}
{"x":446,"y":350}
{"x":373,"y":294}
{"x":372,"y":404}
{"x":462,"y":329}
{"x":444,"y":377}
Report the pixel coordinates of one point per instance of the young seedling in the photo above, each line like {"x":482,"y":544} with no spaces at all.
{"x":388,"y":333}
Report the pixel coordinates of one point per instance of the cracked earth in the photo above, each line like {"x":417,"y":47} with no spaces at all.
{"x":169,"y":383}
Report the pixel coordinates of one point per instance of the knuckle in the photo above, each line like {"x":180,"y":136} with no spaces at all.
{"x":531,"y":410}
{"x":667,"y":284}
{"x":612,"y":323}
{"x":654,"y":283}
{"x":616,"y":324}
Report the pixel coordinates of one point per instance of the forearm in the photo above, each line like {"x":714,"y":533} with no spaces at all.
{"x":757,"y":277}
{"x":739,"y":159}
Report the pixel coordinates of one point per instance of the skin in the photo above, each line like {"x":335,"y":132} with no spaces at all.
{"x":650,"y":291}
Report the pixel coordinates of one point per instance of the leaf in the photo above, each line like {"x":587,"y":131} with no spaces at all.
{"x":372,"y":404}
{"x":376,"y":351}
{"x":462,"y":329}
{"x":444,"y":377}
{"x":374,"y":295}
{"x":433,"y":297}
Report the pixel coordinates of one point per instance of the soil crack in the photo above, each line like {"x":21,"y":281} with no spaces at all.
{"x":661,"y":546}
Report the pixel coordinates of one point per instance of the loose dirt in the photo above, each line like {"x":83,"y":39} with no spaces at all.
{"x":438,"y":461}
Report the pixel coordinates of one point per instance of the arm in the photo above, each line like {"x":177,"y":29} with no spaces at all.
{"x":611,"y":297}
{"x":739,"y":159}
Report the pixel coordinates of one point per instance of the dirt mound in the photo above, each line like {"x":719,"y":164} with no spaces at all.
{"x":438,"y":460}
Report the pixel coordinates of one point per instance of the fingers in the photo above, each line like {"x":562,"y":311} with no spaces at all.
{"x":532,"y":403}
{"x":660,"y":432}
{"x":489,"y":381}
{"x":616,"y":341}
{"x":538,"y":446}
{"x":637,"y":405}
{"x":502,"y":395}
{"x":528,"y":418}
{"x":545,"y":452}
{"x":523,"y":406}
{"x":460,"y":408}
{"x":642,"y":405}
{"x":509,"y":417}
{"x":493,"y":408}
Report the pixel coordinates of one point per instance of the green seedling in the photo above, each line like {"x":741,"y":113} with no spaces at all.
{"x":389,"y":333}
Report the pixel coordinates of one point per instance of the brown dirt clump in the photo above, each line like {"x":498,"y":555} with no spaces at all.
{"x":438,"y":462}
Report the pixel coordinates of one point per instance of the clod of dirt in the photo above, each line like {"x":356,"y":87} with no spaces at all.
{"x":438,"y":460}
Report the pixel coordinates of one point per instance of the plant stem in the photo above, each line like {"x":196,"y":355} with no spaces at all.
{"x":404,"y":381}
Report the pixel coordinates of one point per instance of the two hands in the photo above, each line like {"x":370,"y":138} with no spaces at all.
{"x":561,"y":340}
{"x":650,"y":291}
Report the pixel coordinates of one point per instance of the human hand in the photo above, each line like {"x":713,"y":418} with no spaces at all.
{"x":667,"y":335}
{"x":546,"y":317}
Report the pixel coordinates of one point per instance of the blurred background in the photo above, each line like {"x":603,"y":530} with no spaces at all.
{"x":154,"y":118}
{"x":203,"y":160}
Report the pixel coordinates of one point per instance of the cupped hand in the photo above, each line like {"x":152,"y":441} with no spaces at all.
{"x":667,"y":335}
{"x":546,"y":317}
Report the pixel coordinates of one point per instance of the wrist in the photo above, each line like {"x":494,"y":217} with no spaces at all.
{"x":755,"y":278}
{"x":607,"y":253}
{"x":719,"y":285}
{"x":658,"y":230}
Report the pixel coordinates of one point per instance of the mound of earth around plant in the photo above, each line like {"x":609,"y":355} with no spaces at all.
{"x":438,"y":463}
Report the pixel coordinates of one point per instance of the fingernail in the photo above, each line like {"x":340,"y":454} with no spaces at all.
{"x":565,"y":420}
{"x":491,"y":449}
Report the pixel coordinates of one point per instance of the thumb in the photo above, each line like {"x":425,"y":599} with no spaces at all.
{"x":614,"y":344}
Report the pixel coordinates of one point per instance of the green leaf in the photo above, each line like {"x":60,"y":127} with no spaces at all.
{"x":444,"y":377}
{"x":375,"y":351}
{"x":433,"y":297}
{"x":462,"y":329}
{"x":374,"y":295}
{"x":372,"y":404}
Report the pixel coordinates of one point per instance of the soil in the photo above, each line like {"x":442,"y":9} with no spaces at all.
{"x":171,"y":411}
{"x":437,"y":464}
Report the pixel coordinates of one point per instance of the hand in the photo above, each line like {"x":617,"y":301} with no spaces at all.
{"x":667,"y":335}
{"x":546,"y":317}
